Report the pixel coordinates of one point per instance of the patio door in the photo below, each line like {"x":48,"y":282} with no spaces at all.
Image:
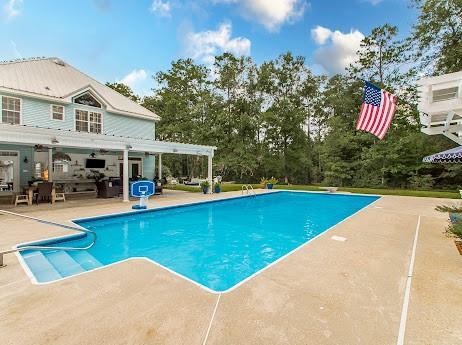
{"x":134,"y":169}
{"x":9,"y":171}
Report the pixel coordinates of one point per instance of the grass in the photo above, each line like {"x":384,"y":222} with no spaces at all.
{"x":226,"y":187}
{"x":380,"y":191}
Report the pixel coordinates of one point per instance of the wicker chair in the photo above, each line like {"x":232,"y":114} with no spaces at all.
{"x":44,"y":192}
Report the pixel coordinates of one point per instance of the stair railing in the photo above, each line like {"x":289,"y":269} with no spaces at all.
{"x":33,"y":247}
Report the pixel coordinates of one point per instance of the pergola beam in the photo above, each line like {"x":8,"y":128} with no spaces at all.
{"x":25,"y":135}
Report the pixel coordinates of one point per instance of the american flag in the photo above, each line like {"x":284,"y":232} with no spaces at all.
{"x":377,"y":111}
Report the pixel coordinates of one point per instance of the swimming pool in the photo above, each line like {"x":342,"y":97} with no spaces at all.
{"x":216,"y":244}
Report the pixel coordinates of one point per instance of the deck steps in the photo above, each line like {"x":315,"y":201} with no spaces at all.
{"x":40,"y":266}
{"x":63,"y":262}
{"x":85,"y":259}
{"x":50,"y":265}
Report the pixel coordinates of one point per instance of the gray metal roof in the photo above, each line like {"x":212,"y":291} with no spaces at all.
{"x":55,"y":79}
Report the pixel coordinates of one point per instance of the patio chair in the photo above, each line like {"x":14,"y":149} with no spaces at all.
{"x":44,"y":192}
{"x":21,"y":199}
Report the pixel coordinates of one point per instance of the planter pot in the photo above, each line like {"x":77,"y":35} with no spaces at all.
{"x":459,"y":246}
{"x":205,"y":190}
{"x":455,"y":217}
{"x":269,"y":186}
{"x":217,"y":189}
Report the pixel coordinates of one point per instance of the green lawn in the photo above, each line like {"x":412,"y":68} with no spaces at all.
{"x":379,"y":191}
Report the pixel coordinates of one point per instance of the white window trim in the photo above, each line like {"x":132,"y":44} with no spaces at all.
{"x":88,"y":121}
{"x":86,"y":105}
{"x":51,"y":112}
{"x":20,"y":108}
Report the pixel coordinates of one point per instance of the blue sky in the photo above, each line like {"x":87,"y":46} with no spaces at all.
{"x":117,"y":40}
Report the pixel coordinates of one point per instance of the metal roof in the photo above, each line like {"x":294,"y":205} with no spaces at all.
{"x":52,"y":78}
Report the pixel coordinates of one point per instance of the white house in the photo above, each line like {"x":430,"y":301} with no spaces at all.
{"x":59,"y":124}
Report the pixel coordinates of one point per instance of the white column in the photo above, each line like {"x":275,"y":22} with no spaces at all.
{"x":210,"y":176}
{"x":50,"y":164}
{"x":159,"y":166}
{"x":125,"y":176}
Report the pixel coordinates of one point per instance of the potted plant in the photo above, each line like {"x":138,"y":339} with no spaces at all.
{"x":272,"y":181}
{"x":205,"y":185}
{"x":455,"y":228}
{"x":264,"y":182}
{"x":217,"y":187}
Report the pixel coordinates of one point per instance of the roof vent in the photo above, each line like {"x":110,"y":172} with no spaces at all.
{"x":59,"y":62}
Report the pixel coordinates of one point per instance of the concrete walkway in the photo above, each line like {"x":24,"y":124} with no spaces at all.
{"x":328,"y":292}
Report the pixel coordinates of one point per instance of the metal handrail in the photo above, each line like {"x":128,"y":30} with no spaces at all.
{"x":32,"y":247}
{"x":246,"y":186}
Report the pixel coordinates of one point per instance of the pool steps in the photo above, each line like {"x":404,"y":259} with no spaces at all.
{"x":51,"y":265}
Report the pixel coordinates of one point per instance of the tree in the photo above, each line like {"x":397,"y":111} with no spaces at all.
{"x":186,"y":105}
{"x":238,"y":121}
{"x":124,"y":90}
{"x":437,"y":35}
{"x":382,"y":58}
{"x":287,"y":84}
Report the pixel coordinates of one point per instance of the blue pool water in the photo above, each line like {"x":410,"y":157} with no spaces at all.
{"x":216,"y":244}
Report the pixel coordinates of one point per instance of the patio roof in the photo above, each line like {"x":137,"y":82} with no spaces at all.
{"x":27,"y":135}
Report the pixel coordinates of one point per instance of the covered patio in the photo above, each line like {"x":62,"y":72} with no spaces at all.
{"x":26,"y":143}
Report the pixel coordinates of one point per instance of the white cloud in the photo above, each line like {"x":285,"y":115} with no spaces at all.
{"x":11,"y":8}
{"x":135,"y":76}
{"x":320,"y":34}
{"x":205,"y":45}
{"x":271,"y":14}
{"x":338,"y":50}
{"x":161,"y":8}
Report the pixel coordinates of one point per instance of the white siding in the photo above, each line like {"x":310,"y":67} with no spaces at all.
{"x":36,"y":112}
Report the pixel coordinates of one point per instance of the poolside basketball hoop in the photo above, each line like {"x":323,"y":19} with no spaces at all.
{"x":142,"y":190}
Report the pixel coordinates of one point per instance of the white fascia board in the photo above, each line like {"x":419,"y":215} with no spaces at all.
{"x":23,"y":135}
{"x":17,"y":93}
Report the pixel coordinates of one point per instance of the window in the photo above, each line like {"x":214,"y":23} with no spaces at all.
{"x":57,"y":112}
{"x":81,"y":120}
{"x":61,"y":166}
{"x":88,"y":121}
{"x":87,"y":99}
{"x":11,"y":110}
{"x":445,"y":94}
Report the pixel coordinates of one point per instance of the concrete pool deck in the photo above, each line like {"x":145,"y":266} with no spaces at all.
{"x":327,"y":292}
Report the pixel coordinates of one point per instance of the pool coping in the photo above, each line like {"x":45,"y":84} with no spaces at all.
{"x":186,"y":204}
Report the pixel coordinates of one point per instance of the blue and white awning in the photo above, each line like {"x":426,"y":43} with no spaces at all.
{"x":449,"y":156}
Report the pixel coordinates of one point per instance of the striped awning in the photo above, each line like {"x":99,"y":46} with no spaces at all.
{"x":449,"y":156}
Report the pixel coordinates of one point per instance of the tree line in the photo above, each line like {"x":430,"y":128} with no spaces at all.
{"x":279,"y":119}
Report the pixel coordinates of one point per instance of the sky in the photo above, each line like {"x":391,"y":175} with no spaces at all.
{"x":130,"y":40}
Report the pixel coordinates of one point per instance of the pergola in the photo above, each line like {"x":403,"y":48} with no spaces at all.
{"x":55,"y":138}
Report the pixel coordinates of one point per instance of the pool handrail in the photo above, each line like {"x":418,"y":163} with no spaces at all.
{"x":246,"y":186}
{"x":38,"y":247}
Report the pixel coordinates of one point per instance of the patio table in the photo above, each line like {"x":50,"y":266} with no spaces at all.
{"x":30,"y":193}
